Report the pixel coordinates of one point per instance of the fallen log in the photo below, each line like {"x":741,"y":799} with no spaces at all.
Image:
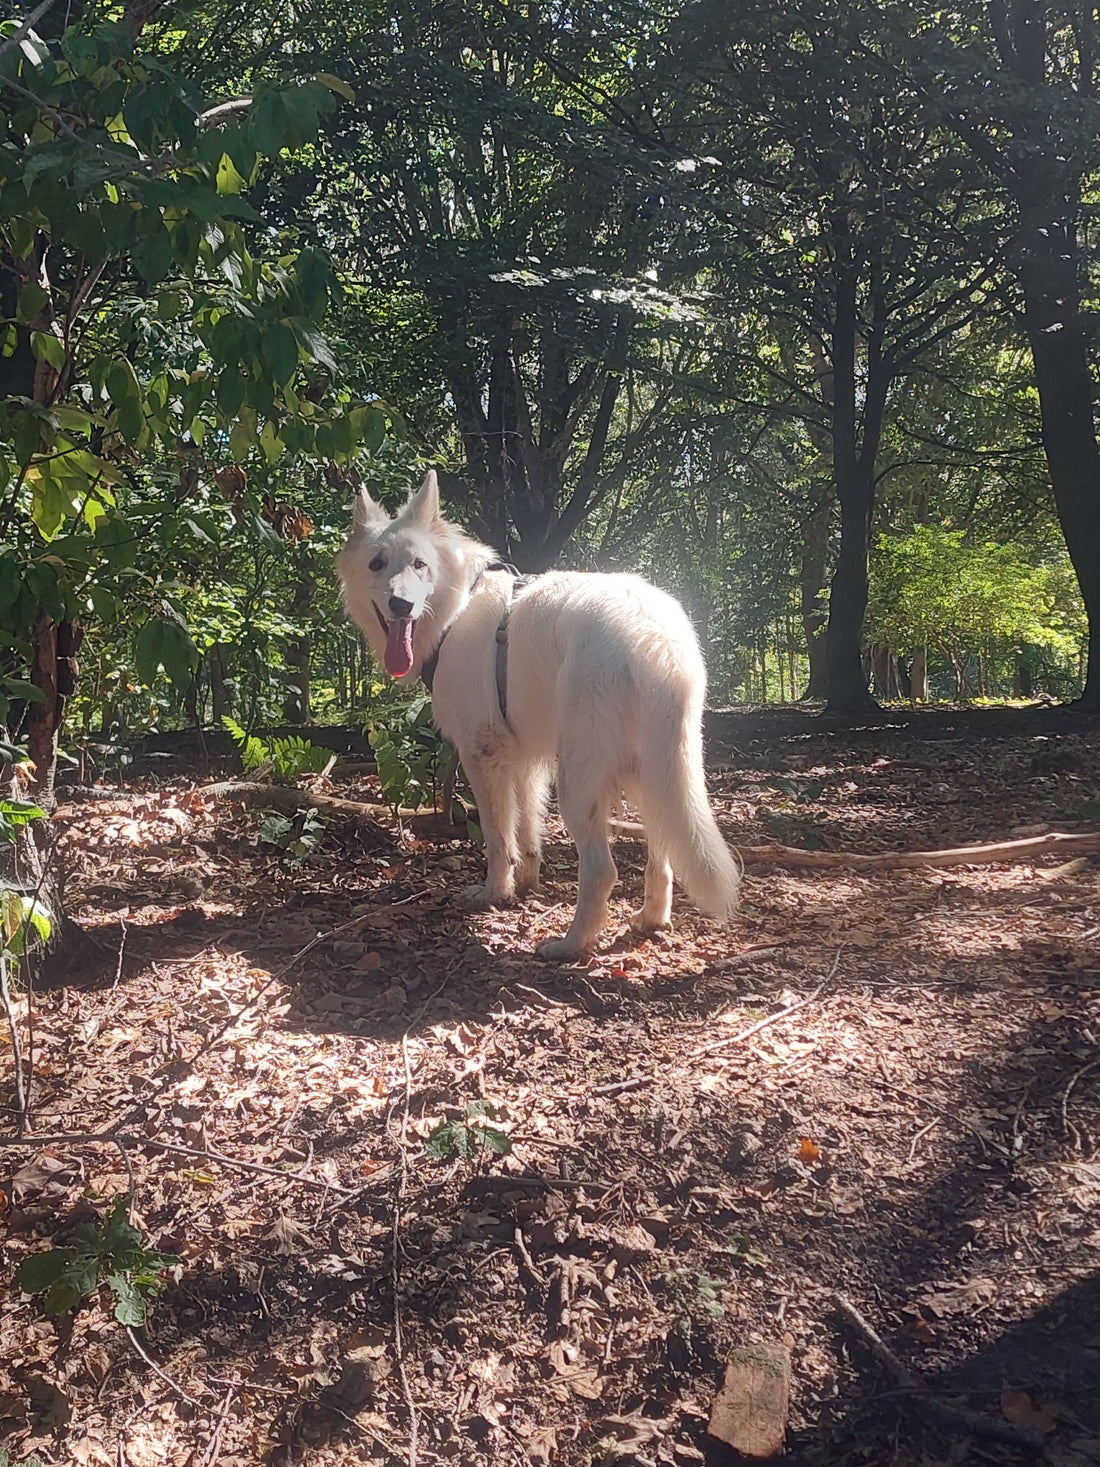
{"x":283,"y":797}
{"x":290,"y":800}
{"x":985,"y":855}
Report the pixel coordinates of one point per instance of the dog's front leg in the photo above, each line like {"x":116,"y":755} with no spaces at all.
{"x":494,"y":791}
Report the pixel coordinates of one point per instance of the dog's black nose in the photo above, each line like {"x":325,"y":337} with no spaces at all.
{"x":399,"y":607}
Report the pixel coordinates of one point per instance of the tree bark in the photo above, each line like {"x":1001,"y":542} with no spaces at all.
{"x":1049,"y":279}
{"x":853,"y":471}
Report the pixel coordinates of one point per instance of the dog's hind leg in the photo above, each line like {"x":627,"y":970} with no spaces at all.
{"x":584,"y":798}
{"x":532,"y":788}
{"x":655,"y":912}
{"x":492,"y":780}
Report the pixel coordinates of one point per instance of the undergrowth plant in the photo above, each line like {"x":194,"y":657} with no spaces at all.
{"x":289,"y":758}
{"x":24,"y":918}
{"x":296,"y":836}
{"x":470,"y":1137}
{"x":410,"y":755}
{"x":109,"y":1253}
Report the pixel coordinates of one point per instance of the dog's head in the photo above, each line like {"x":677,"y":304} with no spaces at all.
{"x":404,"y":578}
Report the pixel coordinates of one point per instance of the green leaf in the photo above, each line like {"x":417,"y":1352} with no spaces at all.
{"x":229,"y":181}
{"x":271,"y":444}
{"x":131,"y":1307}
{"x":279,"y":352}
{"x":231,"y":391}
{"x":41,"y":1270}
{"x":46,"y":347}
{"x":33,"y":299}
{"x":334,"y":84}
{"x":166,"y":643}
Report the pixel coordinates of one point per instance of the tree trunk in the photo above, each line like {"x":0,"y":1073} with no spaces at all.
{"x":918,"y":676}
{"x":854,"y":477}
{"x":221,"y":702}
{"x":299,"y":649}
{"x":1048,"y":277}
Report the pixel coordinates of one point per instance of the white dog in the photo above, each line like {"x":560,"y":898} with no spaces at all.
{"x":598,"y":675}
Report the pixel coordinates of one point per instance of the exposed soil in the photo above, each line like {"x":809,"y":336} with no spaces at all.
{"x":916,"y":1131}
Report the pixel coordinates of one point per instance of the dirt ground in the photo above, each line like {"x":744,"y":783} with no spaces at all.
{"x":914,"y":1134}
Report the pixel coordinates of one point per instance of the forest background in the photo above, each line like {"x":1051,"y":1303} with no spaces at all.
{"x":790,"y":308}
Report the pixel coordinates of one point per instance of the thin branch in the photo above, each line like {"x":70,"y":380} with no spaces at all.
{"x":26,"y":25}
{"x":16,"y":1048}
{"x":395,"y":1263}
{"x":770,"y":1019}
{"x":915,"y":1388}
{"x":223,"y":111}
{"x":987,"y":855}
{"x":155,"y":1368}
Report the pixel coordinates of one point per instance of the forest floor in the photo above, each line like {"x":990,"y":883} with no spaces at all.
{"x":915,"y":1133}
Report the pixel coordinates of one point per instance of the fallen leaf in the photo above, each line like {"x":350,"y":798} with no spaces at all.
{"x":1019,"y":1409}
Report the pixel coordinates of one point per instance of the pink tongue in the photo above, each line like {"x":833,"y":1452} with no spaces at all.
{"x":399,"y":647}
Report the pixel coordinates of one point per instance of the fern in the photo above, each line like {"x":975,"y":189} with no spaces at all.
{"x":254,"y":751}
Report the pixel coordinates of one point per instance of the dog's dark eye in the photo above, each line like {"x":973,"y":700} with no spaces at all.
{"x":420,"y":565}
{"x":377,"y":563}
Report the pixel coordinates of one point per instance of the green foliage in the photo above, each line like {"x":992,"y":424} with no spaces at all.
{"x":289,"y":758}
{"x":694,"y":1297}
{"x":409,"y":754}
{"x":296,"y":836}
{"x":470,"y":1137}
{"x":934,"y":586}
{"x":110,"y":1253}
{"x":23,"y":918}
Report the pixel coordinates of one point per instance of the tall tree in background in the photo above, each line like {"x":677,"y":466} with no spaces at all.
{"x":841,"y":201}
{"x":1020,"y":82}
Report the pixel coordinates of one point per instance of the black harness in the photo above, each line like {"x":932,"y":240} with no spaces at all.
{"x":517,"y":583}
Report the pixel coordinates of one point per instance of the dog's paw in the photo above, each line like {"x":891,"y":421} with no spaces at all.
{"x":645,"y":925}
{"x":558,"y":950}
{"x":478,"y":898}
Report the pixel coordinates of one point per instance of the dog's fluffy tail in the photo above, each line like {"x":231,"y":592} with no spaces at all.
{"x":678,"y":819}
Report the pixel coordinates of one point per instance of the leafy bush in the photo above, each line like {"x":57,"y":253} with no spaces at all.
{"x":410,"y":755}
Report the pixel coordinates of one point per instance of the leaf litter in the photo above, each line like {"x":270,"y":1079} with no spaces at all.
{"x":698,"y":1158}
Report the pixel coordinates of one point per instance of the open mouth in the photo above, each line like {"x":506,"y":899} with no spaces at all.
{"x":399,"y":643}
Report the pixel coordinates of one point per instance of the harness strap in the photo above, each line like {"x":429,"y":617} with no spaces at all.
{"x":517,"y":583}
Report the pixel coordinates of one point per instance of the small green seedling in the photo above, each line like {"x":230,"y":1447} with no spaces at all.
{"x":110,"y":1253}
{"x":464,"y":1140}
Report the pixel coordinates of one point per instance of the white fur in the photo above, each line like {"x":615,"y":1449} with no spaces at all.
{"x":605,"y":683}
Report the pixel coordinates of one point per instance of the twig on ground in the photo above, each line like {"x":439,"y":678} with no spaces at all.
{"x":210,"y":1456}
{"x":528,"y":1261}
{"x":918,"y":1392}
{"x":554,"y":1003}
{"x":620,"y":1087}
{"x":121,"y":954}
{"x":924,"y":1130}
{"x":123,"y":1139}
{"x":791,"y":1008}
{"x":155,"y":1368}
{"x":1068,"y":1128}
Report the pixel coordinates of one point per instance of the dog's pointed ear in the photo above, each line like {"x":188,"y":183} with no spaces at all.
{"x":422,"y":507}
{"x":366,"y":515}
